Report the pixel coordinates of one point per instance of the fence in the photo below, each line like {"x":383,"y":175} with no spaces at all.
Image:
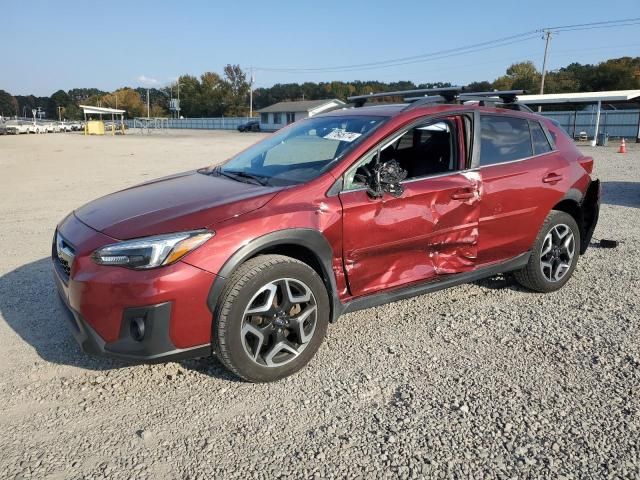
{"x":218,"y":123}
{"x":615,"y":123}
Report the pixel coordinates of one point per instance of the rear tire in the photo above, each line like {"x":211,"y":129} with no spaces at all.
{"x":554,"y":256}
{"x":271,"y":318}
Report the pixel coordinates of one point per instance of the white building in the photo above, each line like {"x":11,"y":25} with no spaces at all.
{"x":281,"y":114}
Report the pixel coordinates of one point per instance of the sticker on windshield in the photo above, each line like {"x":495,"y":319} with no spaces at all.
{"x":342,"y":135}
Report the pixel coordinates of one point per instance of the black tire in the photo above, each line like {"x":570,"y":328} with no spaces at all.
{"x":230,"y":346}
{"x":534,"y":276}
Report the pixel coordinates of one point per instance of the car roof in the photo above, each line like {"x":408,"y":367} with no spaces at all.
{"x":395,"y":109}
{"x":383,"y":109}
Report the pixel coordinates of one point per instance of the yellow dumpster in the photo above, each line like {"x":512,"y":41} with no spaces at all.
{"x":94,"y":127}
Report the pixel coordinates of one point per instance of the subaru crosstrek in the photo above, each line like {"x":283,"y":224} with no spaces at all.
{"x":252,"y":259}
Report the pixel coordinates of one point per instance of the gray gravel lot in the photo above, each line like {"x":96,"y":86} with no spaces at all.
{"x":480,"y":381}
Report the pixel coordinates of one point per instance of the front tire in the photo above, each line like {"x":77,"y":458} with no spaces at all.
{"x":554,"y":256}
{"x":271,"y":318}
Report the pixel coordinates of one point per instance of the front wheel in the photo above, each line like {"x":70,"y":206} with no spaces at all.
{"x":271,"y":318}
{"x":554,"y":256}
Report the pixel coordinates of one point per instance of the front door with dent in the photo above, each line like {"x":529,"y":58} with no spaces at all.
{"x":429,"y":230}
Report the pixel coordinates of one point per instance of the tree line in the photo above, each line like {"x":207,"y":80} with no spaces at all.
{"x":227,"y":94}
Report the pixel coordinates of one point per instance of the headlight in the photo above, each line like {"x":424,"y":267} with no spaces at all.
{"x":151,"y":252}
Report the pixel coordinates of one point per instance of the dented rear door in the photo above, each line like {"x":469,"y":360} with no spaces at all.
{"x":431,"y":230}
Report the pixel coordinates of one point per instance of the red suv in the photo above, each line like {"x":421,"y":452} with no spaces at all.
{"x":251,"y":260}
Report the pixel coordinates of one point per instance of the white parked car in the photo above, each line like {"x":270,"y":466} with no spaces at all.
{"x":37,"y":128}
{"x":17,"y":127}
{"x":65,"y":127}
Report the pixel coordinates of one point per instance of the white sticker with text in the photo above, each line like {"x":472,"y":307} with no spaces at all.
{"x":342,"y":135}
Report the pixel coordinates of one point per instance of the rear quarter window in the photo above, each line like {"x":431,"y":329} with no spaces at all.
{"x":504,"y":139}
{"x":539,"y":139}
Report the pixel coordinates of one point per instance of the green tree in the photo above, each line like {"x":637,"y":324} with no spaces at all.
{"x":561,"y":81}
{"x":482,"y":86}
{"x":59,"y":99}
{"x":190,"y":96}
{"x":127,"y":99}
{"x":520,"y":76}
{"x":8,"y":104}
{"x":213,"y":93}
{"x":236,"y":98}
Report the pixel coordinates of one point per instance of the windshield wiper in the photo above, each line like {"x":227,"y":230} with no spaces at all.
{"x":218,"y":171}
{"x":237,"y":173}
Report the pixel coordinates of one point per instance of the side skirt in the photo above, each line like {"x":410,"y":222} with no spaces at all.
{"x":378,"y":299}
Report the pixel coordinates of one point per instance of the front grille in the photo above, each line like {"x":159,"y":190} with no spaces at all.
{"x":63,"y":254}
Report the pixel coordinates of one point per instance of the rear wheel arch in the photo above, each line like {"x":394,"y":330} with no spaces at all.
{"x":572,"y":207}
{"x":304,"y":244}
{"x":584,"y":208}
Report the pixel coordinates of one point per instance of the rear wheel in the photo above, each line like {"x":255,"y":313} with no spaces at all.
{"x":554,"y":256}
{"x":271,"y":318}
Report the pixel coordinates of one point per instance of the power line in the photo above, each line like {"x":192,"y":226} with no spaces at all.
{"x":607,"y":22}
{"x":441,"y":54}
{"x":413,"y":59}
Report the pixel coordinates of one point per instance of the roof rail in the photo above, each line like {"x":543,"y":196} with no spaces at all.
{"x":448,"y":93}
{"x":496,"y":102}
{"x":426,"y":96}
{"x":507,"y":96}
{"x":418,"y":101}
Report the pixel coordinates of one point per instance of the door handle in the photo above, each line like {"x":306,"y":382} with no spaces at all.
{"x":463,"y":194}
{"x":551,"y":178}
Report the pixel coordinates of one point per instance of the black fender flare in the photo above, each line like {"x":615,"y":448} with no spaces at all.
{"x":573,"y":194}
{"x":588,"y":205}
{"x":311,"y":239}
{"x":590,"y":208}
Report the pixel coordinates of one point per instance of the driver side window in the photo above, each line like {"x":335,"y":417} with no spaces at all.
{"x":424,"y":150}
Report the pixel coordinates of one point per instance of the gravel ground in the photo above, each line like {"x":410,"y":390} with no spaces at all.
{"x":482,"y":380}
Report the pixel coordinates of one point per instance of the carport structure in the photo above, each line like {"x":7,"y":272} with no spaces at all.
{"x":611,"y":97}
{"x":90,"y":129}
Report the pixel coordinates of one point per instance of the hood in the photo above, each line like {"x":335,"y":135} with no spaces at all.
{"x":186,"y":201}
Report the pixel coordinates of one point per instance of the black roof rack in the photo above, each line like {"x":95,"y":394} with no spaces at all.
{"x":451,"y":95}
{"x":417,"y":101}
{"x":507,"y":96}
{"x":448,"y":93}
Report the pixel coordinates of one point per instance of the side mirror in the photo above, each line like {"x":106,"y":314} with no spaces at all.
{"x":385,"y":177}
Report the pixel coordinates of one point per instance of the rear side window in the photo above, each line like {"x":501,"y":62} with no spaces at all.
{"x":539,"y":139}
{"x":504,"y":139}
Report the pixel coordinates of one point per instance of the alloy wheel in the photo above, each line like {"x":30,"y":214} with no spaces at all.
{"x":558,"y":250}
{"x":279,"y":322}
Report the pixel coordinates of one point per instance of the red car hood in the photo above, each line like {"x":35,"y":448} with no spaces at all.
{"x":186,"y":201}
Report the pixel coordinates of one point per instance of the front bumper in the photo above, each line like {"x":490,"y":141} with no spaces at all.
{"x":103,"y":302}
{"x":156,"y":347}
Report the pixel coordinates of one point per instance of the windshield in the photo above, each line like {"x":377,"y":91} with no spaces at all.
{"x":301,"y":152}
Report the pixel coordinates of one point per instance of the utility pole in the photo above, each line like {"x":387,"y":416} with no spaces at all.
{"x":178,"y":109}
{"x":251,"y":92}
{"x":547,"y":36}
{"x":148,"y":110}
{"x":60,"y":113}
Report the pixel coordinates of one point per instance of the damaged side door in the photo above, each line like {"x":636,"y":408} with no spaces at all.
{"x":427,"y":228}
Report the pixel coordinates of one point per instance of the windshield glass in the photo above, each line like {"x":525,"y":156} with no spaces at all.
{"x":301,"y":152}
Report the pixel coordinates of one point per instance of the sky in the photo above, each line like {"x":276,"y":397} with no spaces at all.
{"x":52,"y":45}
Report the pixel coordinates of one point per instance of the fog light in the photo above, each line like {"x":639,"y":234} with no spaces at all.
{"x":136,"y":327}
